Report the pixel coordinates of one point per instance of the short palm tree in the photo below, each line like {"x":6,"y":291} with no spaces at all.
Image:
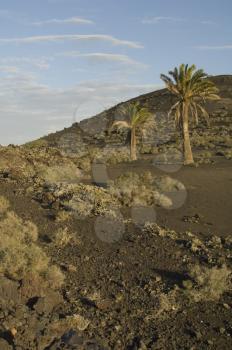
{"x":192,"y":88}
{"x":136,"y":118}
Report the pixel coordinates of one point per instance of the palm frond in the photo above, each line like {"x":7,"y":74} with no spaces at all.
{"x":170,"y":84}
{"x":176,"y":111}
{"x":134,"y":115}
{"x":121,"y":124}
{"x":204,"y":113}
{"x":194,"y":111}
{"x":190,"y":86}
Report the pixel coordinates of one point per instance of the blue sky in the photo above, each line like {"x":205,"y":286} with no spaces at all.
{"x":64,"y":60}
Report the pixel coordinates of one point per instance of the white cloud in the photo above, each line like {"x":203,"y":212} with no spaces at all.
{"x":28,"y":108}
{"x":219,"y":47}
{"x":8,"y":69}
{"x":71,"y":20}
{"x":158,"y":19}
{"x":71,"y":37}
{"x":207,"y":22}
{"x":101,"y":57}
{"x":42,"y":63}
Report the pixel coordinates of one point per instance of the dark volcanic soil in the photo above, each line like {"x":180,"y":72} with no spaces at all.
{"x":121,"y":287}
{"x":209,"y":196}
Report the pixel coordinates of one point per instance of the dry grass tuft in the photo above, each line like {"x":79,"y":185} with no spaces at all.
{"x":64,"y":237}
{"x":4,"y":205}
{"x":132,"y":189}
{"x":19,"y":253}
{"x":211,"y":283}
{"x":56,"y":174}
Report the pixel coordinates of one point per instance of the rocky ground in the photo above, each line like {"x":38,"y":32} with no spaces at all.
{"x":143,"y":262}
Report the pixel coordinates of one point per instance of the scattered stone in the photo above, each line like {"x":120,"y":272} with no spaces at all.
{"x":9,"y":291}
{"x":222,"y":330}
{"x":71,"y":268}
{"x":195,"y":219}
{"x":4,"y":345}
{"x":210,"y":342}
{"x":45,"y":305}
{"x":72,"y":338}
{"x":79,"y":322}
{"x":104,"y":304}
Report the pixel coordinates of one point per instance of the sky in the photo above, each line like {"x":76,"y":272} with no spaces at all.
{"x":64,"y":60}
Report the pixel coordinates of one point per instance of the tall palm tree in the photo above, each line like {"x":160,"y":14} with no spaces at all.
{"x":136,"y":118}
{"x":192,"y":88}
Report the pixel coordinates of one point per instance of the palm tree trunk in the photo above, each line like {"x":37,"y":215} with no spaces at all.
{"x":133,"y":145}
{"x":188,"y":155}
